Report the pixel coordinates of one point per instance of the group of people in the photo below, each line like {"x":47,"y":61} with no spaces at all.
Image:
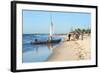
{"x":75,"y":36}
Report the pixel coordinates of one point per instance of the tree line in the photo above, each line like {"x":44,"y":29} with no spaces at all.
{"x":86,"y":31}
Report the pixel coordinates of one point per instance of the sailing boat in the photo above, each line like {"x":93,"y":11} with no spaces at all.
{"x":50,"y":40}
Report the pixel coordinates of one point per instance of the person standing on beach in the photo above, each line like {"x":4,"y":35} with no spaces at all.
{"x":69,"y":35}
{"x":82,"y":36}
{"x":77,"y":35}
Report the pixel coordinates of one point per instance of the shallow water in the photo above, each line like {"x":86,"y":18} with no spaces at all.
{"x":36,"y":53}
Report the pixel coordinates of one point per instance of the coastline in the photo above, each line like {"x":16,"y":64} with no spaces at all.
{"x":72,"y":50}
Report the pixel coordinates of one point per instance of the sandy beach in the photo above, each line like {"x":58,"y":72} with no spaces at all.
{"x":72,"y":50}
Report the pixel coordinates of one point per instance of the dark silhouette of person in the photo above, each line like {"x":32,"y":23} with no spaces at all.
{"x":36,"y":40}
{"x":69,"y":35}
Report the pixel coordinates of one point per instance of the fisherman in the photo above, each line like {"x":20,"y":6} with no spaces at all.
{"x":69,"y":35}
{"x":36,"y":40}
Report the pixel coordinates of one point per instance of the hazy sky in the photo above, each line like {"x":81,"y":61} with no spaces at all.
{"x":39,"y":21}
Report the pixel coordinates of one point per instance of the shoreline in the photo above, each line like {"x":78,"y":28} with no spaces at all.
{"x":72,"y":50}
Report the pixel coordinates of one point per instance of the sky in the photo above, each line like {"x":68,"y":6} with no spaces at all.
{"x":64,"y":22}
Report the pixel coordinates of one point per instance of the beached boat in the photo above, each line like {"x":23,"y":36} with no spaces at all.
{"x":50,"y":40}
{"x":47,"y":42}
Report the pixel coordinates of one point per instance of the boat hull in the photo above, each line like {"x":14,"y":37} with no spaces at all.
{"x":46,"y":42}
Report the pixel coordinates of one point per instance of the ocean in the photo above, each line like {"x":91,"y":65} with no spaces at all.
{"x":36,"y":53}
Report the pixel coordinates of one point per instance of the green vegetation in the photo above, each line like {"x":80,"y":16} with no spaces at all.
{"x":86,"y":31}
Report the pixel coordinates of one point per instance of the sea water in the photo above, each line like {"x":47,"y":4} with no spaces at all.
{"x":36,"y":53}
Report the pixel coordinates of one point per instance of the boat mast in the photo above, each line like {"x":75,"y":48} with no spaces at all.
{"x":51,"y":29}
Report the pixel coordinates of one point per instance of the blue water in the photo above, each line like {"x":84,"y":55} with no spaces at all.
{"x":36,"y":53}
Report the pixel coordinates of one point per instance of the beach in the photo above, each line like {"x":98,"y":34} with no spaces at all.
{"x":72,"y":50}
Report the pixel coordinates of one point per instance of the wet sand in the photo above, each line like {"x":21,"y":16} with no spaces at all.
{"x":72,"y":50}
